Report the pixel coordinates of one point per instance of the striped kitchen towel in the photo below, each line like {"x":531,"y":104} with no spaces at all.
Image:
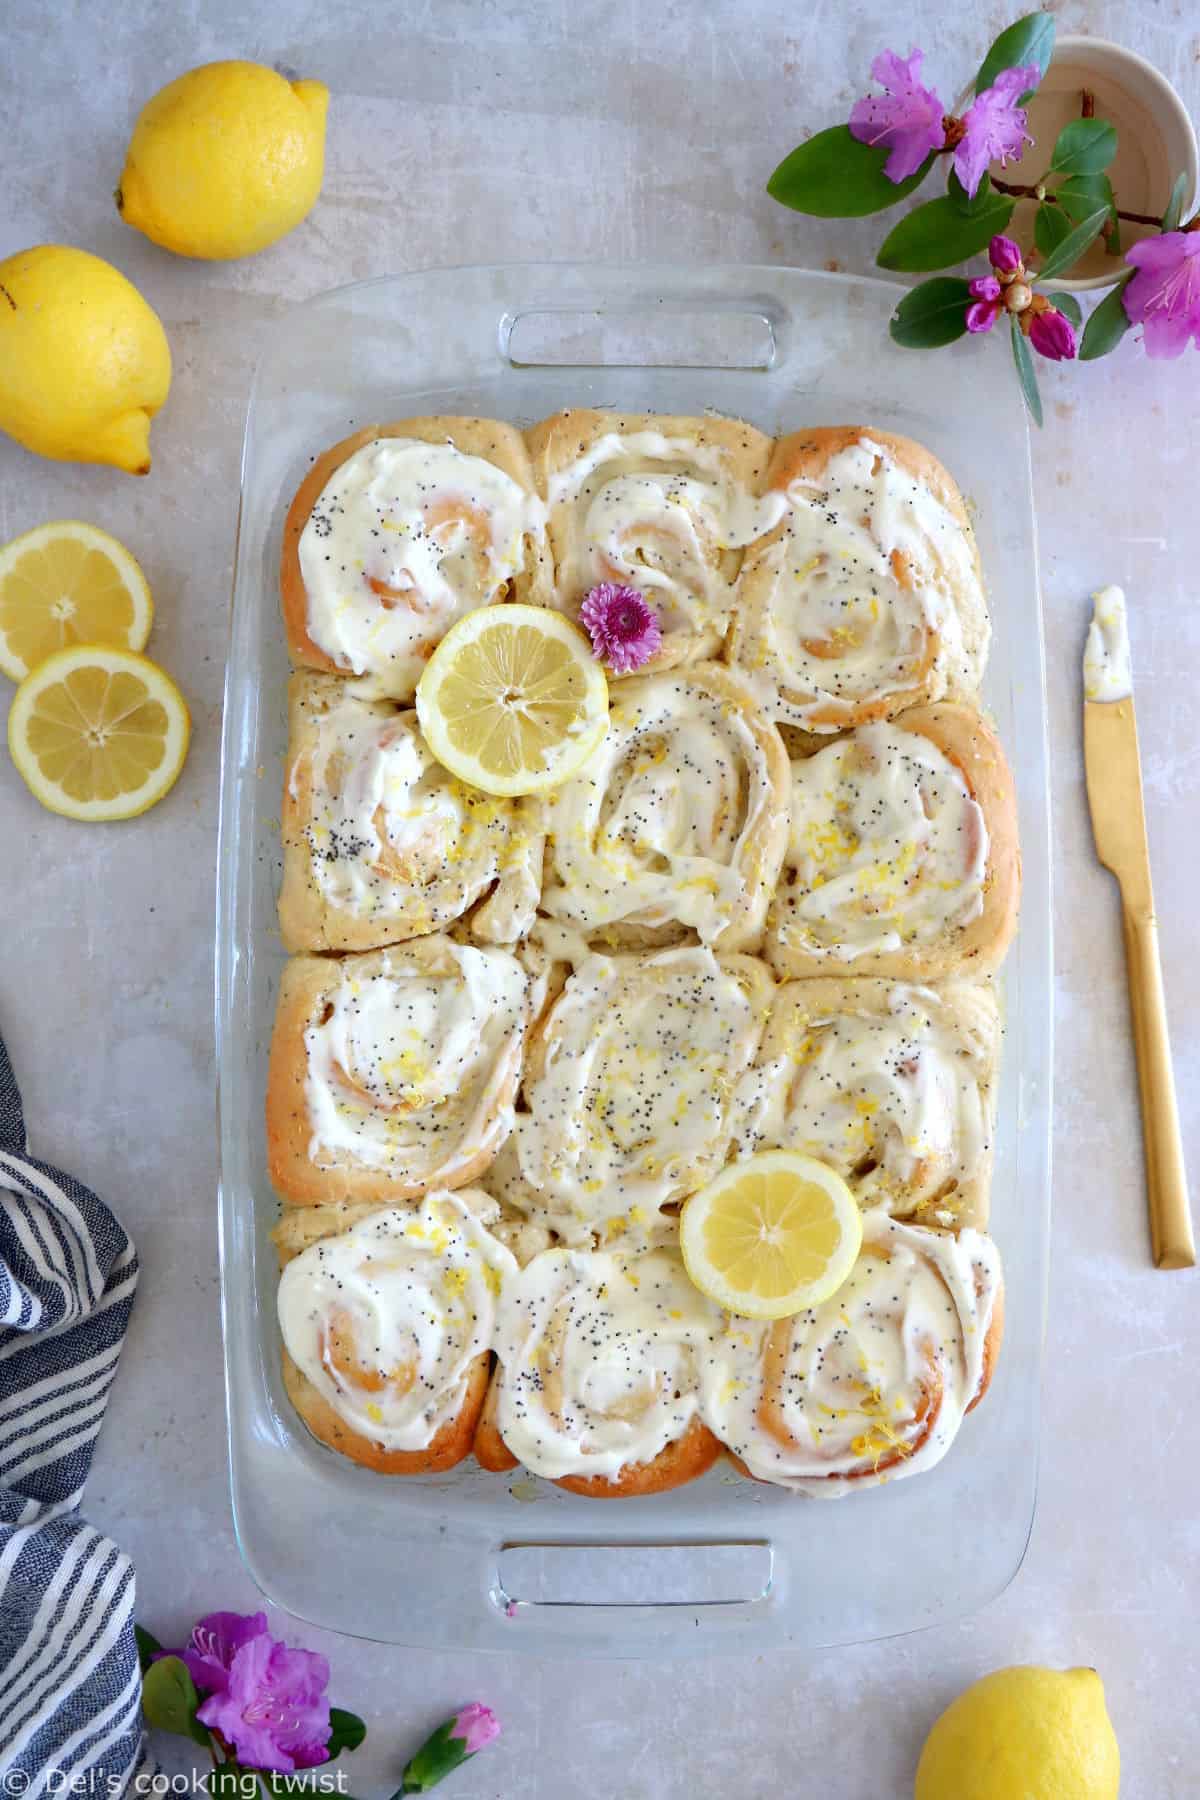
{"x":70,"y":1689}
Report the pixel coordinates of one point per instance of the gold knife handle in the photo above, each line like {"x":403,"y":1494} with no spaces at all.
{"x":1166,"y":1178}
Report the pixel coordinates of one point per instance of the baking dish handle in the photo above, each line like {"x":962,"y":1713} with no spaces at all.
{"x":680,"y":334}
{"x":588,"y":1589}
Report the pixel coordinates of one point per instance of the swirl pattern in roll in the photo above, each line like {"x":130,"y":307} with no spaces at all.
{"x":678,"y":822}
{"x":872,"y":1385}
{"x":868,"y":597}
{"x":601,"y":1360}
{"x":891,"y":1085}
{"x":665,"y":505}
{"x":393,"y":1072}
{"x":381,"y":843}
{"x":389,"y":1324}
{"x":631,"y":1090}
{"x":397,"y":532}
{"x":902,"y":851}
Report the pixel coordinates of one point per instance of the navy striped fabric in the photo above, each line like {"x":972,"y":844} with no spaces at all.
{"x":70,"y":1690}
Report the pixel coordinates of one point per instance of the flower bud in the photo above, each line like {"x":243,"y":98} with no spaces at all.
{"x":1004,"y":255}
{"x":1053,"y":336}
{"x":1018,"y":296}
{"x":463,"y":1736}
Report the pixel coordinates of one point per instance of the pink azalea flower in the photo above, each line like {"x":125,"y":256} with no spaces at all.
{"x":1004,"y":256}
{"x":624,"y":630}
{"x":215,"y":1641}
{"x":1164,"y":295}
{"x":994,"y":126}
{"x":1053,"y":335}
{"x":985,"y":293}
{"x":477,"y":1726}
{"x":273,"y":1710}
{"x":906,"y":120}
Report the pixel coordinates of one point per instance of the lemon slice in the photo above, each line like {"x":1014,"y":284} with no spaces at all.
{"x":771,"y":1235}
{"x":512,"y":700}
{"x":68,"y":583}
{"x":98,"y":733}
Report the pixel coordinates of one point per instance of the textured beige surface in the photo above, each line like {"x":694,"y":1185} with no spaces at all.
{"x":606,"y":128}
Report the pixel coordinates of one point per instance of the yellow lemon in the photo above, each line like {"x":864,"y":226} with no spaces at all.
{"x":1044,"y":1734}
{"x":98,"y":733}
{"x":225,"y":160}
{"x":512,"y":700}
{"x":84,"y":362}
{"x":68,"y":583}
{"x":772,"y":1234}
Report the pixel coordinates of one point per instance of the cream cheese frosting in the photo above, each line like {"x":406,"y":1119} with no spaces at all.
{"x":391,"y":832}
{"x":404,"y":539}
{"x":630,"y":1090}
{"x":660,"y":513}
{"x":898,"y":1101}
{"x":413,"y":1066}
{"x":675,"y":819}
{"x":867,"y":581}
{"x":1107,"y":670}
{"x":873,"y":1384}
{"x":386,"y":1319}
{"x":602,"y":1359}
{"x":887,"y":847}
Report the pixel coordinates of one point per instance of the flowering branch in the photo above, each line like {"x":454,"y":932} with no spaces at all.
{"x":892,"y":140}
{"x":1027,"y":191}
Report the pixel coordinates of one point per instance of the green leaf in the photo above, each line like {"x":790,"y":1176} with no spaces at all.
{"x":1026,"y":373}
{"x":833,"y":176}
{"x":438,"y":1757}
{"x":148,"y":1647}
{"x":169,"y":1699}
{"x":1050,"y":226}
{"x":937,"y":235}
{"x":348,"y":1731}
{"x":932,"y":314}
{"x":1107,"y":325}
{"x":1072,"y":246}
{"x":1081,"y":195}
{"x":1069,"y":306}
{"x":1174,"y":212}
{"x":959,"y":195}
{"x":1084,"y":147}
{"x":1030,"y":40}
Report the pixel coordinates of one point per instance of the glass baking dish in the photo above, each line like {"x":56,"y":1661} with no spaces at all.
{"x":482,"y":1561}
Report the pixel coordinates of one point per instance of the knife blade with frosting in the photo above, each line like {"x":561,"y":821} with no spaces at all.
{"x":1114,"y":787}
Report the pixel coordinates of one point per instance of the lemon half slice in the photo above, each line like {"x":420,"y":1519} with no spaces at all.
{"x":513,"y":701}
{"x":68,"y":583}
{"x":771,"y":1235}
{"x":98,"y":733}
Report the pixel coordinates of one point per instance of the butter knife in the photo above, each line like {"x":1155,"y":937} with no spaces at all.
{"x":1114,"y":787}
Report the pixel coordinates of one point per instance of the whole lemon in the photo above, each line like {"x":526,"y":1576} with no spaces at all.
{"x":1040,"y":1734}
{"x":225,"y":160}
{"x":84,"y":361}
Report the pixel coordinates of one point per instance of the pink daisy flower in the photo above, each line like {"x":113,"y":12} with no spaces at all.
{"x":624,"y":630}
